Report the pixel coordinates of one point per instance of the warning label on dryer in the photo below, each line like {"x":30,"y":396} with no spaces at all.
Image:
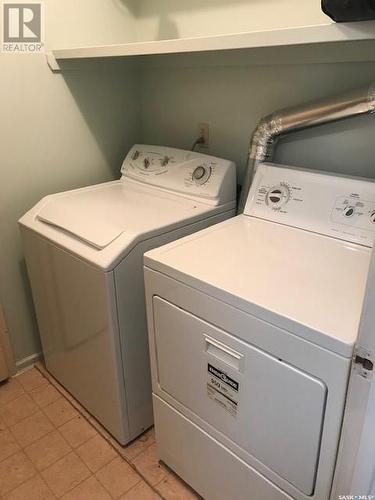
{"x":222,"y":389}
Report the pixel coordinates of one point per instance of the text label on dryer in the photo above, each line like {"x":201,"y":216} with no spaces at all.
{"x":222,"y":389}
{"x":223,"y":376}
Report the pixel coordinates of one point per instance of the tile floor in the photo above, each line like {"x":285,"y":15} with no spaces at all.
{"x":50,"y":447}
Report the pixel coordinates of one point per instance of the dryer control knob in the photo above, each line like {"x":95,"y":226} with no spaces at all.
{"x":278,"y":196}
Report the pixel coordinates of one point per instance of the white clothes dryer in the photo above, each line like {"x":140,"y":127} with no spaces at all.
{"x":252,"y":327}
{"x":84,"y":252}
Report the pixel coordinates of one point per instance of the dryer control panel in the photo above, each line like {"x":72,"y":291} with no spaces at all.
{"x":337,"y":206}
{"x":212,"y":180}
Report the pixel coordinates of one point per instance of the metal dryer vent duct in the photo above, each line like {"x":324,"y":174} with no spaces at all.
{"x":288,"y":120}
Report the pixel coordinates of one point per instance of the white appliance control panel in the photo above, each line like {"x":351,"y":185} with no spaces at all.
{"x":211,"y":179}
{"x":333,"y":205}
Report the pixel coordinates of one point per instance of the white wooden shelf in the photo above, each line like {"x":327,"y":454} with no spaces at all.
{"x":331,"y":32}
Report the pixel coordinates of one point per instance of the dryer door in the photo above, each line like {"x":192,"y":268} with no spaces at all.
{"x":272,"y":410}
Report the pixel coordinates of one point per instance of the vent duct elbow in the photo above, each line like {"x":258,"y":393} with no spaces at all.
{"x":289,"y":120}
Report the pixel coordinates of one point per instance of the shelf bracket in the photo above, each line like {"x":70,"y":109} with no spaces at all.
{"x":52,"y":62}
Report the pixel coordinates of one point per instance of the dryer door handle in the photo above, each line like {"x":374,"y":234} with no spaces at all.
{"x":224,"y":353}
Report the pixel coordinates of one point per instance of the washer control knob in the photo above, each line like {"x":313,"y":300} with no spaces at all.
{"x":349,"y":211}
{"x":278,"y":196}
{"x":372,"y":217}
{"x":201,"y":174}
{"x":164,"y":161}
{"x":146,"y":163}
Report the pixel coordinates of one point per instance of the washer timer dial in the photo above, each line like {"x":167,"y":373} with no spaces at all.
{"x":201,"y":174}
{"x":278,"y":196}
{"x":349,"y":211}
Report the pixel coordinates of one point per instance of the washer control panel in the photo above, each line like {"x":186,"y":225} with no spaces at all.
{"x":333,"y":205}
{"x":211,"y":180}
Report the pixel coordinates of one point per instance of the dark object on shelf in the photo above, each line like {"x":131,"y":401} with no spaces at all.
{"x":349,"y":10}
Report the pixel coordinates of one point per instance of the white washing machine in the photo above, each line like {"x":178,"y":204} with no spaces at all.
{"x":84,"y":253}
{"x":252,"y":326}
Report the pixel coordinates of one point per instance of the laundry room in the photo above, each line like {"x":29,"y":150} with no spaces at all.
{"x":187,"y":282}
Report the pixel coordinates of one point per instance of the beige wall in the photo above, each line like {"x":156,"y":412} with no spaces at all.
{"x":58,"y":131}
{"x":232,"y":93}
{"x":158,"y":19}
{"x":77,"y":23}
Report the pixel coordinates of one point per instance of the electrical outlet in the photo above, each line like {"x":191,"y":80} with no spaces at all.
{"x":204,"y":131}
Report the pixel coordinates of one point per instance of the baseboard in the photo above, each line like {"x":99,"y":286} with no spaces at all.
{"x":23,"y":364}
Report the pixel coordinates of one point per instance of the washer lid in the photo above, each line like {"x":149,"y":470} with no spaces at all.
{"x":309,"y":284}
{"x":101,"y":224}
{"x":99,"y":214}
{"x":83,"y":218}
